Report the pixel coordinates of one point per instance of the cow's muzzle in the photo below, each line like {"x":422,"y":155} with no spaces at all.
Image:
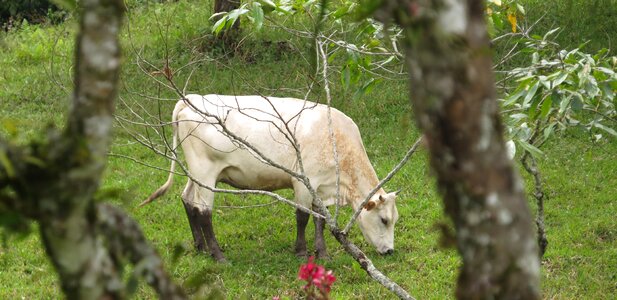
{"x":388,"y":252}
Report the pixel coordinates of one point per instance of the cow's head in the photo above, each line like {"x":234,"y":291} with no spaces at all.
{"x":377,"y":221}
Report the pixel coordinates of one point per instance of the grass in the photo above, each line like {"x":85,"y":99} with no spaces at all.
{"x":580,"y":176}
{"x":580,"y":21}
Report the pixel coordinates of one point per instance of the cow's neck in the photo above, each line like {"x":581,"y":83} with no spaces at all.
{"x":360,"y":184}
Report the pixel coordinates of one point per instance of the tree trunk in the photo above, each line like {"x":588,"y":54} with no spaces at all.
{"x":68,"y":228}
{"x":453,"y":95}
{"x":54,"y":182}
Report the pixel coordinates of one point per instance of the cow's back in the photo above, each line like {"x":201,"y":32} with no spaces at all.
{"x":269,"y":125}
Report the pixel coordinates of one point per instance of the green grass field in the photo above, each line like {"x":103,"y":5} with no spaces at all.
{"x":35,"y":75}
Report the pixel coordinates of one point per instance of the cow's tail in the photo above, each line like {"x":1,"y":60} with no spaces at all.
{"x":170,"y":179}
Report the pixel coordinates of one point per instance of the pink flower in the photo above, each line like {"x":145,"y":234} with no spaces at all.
{"x":317,"y":276}
{"x":328,"y":280}
{"x":276,"y":298}
{"x":306,"y":270}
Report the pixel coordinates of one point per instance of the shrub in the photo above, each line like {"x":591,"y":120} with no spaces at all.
{"x":35,"y":11}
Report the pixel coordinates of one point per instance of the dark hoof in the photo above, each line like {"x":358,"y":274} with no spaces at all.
{"x":322,"y":255}
{"x":221,"y":260}
{"x":201,"y":248}
{"x":301,"y":253}
{"x":219,"y":257}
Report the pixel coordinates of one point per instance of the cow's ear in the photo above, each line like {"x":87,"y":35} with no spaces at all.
{"x":370,"y":205}
{"x":397,"y":192}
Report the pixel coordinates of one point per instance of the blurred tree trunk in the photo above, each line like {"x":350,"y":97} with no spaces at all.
{"x":227,"y":37}
{"x":54,"y":182}
{"x":453,"y":95}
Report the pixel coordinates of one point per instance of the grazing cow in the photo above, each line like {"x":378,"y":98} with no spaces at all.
{"x":214,"y":154}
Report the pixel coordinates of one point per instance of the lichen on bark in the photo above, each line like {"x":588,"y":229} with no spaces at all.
{"x":453,"y":96}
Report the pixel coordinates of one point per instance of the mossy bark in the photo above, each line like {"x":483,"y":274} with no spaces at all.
{"x":54,"y":182}
{"x":453,"y":95}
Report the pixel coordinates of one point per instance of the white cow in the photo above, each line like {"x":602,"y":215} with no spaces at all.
{"x":212,"y":157}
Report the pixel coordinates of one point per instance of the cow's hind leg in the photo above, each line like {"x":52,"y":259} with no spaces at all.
{"x":204,"y":203}
{"x":193,"y":214}
{"x":301,"y":221}
{"x":213,"y":244}
{"x":320,"y":242}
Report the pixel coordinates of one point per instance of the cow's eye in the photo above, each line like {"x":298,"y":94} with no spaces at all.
{"x":384,"y":221}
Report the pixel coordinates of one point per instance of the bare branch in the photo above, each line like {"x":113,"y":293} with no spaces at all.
{"x":126,"y":239}
{"x":367,"y":265}
{"x":247,"y":191}
{"x":539,"y":195}
{"x":324,"y":70}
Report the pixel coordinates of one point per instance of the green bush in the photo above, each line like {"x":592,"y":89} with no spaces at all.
{"x":35,"y":11}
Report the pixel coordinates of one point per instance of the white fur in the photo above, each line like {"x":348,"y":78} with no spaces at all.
{"x":214,"y":157}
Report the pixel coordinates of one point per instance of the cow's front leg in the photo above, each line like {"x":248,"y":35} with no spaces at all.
{"x":320,"y":242}
{"x":213,"y":244}
{"x":301,"y":221}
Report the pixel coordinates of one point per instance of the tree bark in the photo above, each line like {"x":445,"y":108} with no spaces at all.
{"x":453,"y":95}
{"x":54,"y":182}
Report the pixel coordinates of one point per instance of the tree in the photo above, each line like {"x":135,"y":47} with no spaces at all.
{"x":453,"y":95}
{"x":53,"y":182}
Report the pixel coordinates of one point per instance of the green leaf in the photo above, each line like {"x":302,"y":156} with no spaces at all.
{"x":606,"y":70}
{"x":219,"y":25}
{"x":518,"y":116}
{"x":550,"y":32}
{"x":592,"y":88}
{"x":531,"y":93}
{"x":563,"y":105}
{"x":560,"y":79}
{"x":341,"y":11}
{"x":269,"y":3}
{"x":533,"y":150}
{"x":577,"y":103}
{"x":365,"y":88}
{"x":498,"y":21}
{"x":512,"y":98}
{"x":236,"y":13}
{"x":556,"y":98}
{"x":548,"y":131}
{"x":546,"y":107}
{"x":533,"y":108}
{"x":223,"y":13}
{"x":535,"y":57}
{"x":607,"y":90}
{"x":545,"y":82}
{"x":257,"y":15}
{"x":605,"y":128}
